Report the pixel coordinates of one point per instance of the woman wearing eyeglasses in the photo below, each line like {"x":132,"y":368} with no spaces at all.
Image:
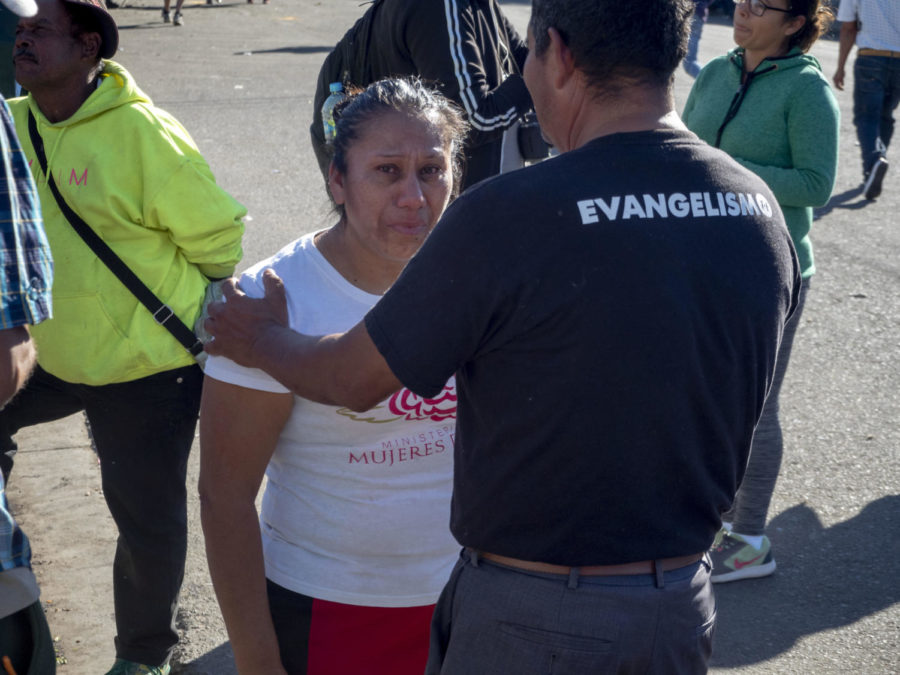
{"x":768,"y":105}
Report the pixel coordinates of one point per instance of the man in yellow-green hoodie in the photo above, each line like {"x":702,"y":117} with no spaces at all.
{"x":132,"y":173}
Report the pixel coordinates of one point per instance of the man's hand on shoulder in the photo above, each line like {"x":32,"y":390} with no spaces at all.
{"x":240,"y":324}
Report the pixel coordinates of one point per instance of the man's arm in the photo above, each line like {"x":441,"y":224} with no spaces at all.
{"x":26,"y":268}
{"x":204,"y":221}
{"x":847,"y":40}
{"x":17,"y":357}
{"x":444,"y":46}
{"x":517,"y":45}
{"x":342,"y":369}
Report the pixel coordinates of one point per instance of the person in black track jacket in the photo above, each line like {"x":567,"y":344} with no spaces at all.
{"x":468,"y":49}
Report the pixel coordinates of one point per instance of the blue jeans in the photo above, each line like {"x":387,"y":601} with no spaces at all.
{"x":876,"y":93}
{"x":691,"y":63}
{"x":491,"y":618}
{"x":143,"y":432}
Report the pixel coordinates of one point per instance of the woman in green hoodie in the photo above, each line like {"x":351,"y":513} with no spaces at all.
{"x":767,"y":104}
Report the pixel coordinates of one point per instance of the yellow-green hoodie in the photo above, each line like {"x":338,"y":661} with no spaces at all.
{"x":133,"y":173}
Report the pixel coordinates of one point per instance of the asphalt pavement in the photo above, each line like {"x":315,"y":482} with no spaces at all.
{"x":241,"y":77}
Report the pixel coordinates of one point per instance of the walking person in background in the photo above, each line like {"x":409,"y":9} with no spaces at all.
{"x":691,"y":63}
{"x":874,"y":26}
{"x":177,"y":20}
{"x":135,"y":177}
{"x":783,"y":125}
{"x":468,"y":49}
{"x":353,"y":538}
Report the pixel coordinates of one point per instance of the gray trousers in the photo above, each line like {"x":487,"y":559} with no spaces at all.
{"x":750,"y":509}
{"x":495,"y":619}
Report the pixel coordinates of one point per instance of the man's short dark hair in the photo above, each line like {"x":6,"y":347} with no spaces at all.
{"x":617,"y":42}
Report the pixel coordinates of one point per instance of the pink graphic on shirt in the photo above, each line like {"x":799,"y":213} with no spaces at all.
{"x":411,"y":406}
{"x":405,"y":405}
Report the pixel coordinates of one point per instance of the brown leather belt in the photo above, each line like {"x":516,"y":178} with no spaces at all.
{"x":865,"y":51}
{"x":642,"y":567}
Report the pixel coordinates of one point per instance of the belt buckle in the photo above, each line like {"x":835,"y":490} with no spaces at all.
{"x":168,"y":313}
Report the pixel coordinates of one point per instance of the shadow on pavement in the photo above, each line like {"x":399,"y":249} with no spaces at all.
{"x":305,"y":49}
{"x":826,"y":578}
{"x":219,"y":661}
{"x":842,"y":201}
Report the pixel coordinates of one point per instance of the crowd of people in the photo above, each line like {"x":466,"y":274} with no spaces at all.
{"x":457,"y":347}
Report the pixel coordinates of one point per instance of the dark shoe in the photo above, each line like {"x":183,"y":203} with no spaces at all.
{"x":165,"y":16}
{"x":872,"y":186}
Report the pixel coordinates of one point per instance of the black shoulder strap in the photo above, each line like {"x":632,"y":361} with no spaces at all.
{"x":160,"y":311}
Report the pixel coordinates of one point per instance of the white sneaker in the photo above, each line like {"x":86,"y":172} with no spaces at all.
{"x":178,"y":20}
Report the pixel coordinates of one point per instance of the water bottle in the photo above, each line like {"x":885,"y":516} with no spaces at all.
{"x":335,"y":96}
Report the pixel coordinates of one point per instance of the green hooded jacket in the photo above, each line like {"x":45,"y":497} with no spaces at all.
{"x":132,"y":173}
{"x":782,"y":123}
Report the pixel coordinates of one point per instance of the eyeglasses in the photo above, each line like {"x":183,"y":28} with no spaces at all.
{"x":758,"y":7}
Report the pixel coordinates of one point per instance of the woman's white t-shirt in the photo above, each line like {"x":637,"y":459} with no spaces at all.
{"x":357,"y":505}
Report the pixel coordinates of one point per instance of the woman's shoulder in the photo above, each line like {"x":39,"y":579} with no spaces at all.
{"x":731,"y":59}
{"x":718,"y":70}
{"x":808,"y":83}
{"x":802,"y":67}
{"x":288,"y":263}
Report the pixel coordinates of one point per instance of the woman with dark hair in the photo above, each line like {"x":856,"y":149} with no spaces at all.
{"x":341,"y":571}
{"x":767,"y":104}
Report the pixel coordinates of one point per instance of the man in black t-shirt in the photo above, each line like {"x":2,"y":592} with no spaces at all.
{"x":612,"y":316}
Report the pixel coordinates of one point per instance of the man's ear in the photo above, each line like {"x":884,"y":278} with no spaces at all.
{"x":90,"y":46}
{"x":561,"y":60}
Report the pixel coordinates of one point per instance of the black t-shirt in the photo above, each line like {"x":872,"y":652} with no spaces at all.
{"x":612,"y":316}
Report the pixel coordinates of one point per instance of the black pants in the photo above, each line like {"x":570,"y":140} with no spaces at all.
{"x":143,"y":432}
{"x":482,"y":162}
{"x":292,"y":617}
